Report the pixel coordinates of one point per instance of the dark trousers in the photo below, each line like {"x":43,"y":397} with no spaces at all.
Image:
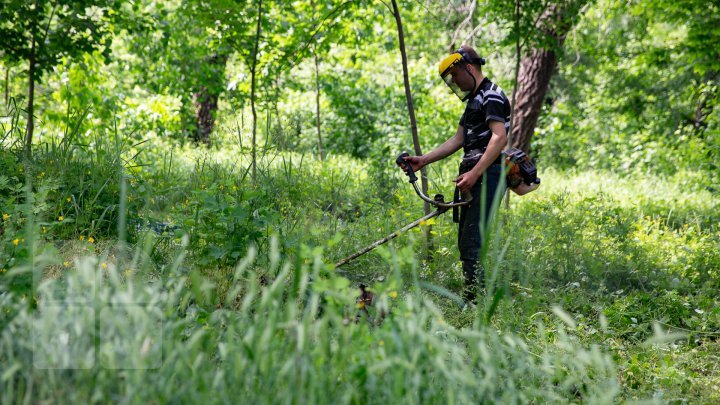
{"x":473,"y":227}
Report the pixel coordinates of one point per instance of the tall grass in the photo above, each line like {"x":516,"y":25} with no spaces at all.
{"x":100,"y":335}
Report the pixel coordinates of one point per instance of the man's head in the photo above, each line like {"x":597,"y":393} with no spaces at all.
{"x":462,"y":71}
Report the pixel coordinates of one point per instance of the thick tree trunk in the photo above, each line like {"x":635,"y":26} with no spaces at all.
{"x":205,"y":107}
{"x":518,"y":56}
{"x":533,"y":82}
{"x":206,"y":99}
{"x":537,"y":69}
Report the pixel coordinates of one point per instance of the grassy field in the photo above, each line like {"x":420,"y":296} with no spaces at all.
{"x":137,"y":273}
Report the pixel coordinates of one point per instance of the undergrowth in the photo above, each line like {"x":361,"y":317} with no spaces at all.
{"x":125,"y":274}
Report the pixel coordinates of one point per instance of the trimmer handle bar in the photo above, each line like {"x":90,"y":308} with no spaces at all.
{"x":439,"y":200}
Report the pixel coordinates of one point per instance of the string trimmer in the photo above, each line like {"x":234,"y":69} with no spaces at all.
{"x":438,"y":202}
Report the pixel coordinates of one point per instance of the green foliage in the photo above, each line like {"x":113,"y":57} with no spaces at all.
{"x":58,"y":28}
{"x":635,"y":93}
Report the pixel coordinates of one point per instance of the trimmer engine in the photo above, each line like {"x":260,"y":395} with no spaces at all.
{"x":520,"y":168}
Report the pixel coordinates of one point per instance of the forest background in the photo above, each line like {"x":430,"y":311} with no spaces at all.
{"x":179,"y":176}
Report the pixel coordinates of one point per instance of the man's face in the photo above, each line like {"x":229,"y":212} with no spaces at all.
{"x":461,"y":76}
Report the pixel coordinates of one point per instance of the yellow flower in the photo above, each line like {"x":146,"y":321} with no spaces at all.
{"x":16,"y":241}
{"x":61,"y":218}
{"x":6,"y":217}
{"x":393,"y":294}
{"x":104,"y":265}
{"x":68,"y":199}
{"x":82,"y":237}
{"x":66,"y":263}
{"x":91,"y":239}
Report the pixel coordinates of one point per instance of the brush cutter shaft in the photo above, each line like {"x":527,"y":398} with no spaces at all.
{"x":390,"y":237}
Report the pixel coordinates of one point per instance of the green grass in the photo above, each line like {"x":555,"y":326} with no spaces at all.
{"x":601,"y":287}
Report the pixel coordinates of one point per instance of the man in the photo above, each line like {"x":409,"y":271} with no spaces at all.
{"x":482,"y":133}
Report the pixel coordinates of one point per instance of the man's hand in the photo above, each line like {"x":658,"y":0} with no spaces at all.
{"x":466,"y":181}
{"x":416,"y":162}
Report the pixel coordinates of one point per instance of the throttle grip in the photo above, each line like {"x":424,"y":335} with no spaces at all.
{"x":407,"y":168}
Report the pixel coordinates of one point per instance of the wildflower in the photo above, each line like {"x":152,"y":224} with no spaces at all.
{"x":16,"y":241}
{"x":6,"y":217}
{"x":82,"y":237}
{"x":104,"y":266}
{"x":68,"y":199}
{"x":66,"y":263}
{"x":61,"y":218}
{"x":393,"y":294}
{"x":91,"y":239}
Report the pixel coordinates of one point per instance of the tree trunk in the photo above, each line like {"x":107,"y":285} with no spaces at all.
{"x":205,"y":107}
{"x":252,"y":92}
{"x":7,"y":85}
{"x":537,"y":69}
{"x":533,"y":82}
{"x":408,"y":97}
{"x":413,"y":124}
{"x":31,"y":99}
{"x":518,"y":53}
{"x":317,"y":105}
{"x":317,"y":94}
{"x":206,"y":99}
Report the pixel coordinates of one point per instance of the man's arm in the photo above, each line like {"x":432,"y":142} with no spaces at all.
{"x":498,"y":140}
{"x":448,"y":147}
